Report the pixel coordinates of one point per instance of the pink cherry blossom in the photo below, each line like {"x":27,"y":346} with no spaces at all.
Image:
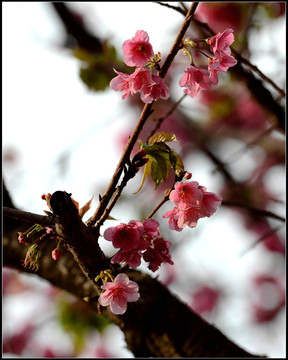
{"x":131,"y":84}
{"x":222,"y":63}
{"x":118,"y":293}
{"x":158,"y":254}
{"x":137,"y":51}
{"x":194,"y":80}
{"x":130,"y":257}
{"x":127,"y":236}
{"x":220,"y":42}
{"x":188,"y":217}
{"x":219,"y":45}
{"x":173,"y":216}
{"x":151,"y":229}
{"x":155,"y":90}
{"x":186,"y":195}
{"x":192,"y":202}
{"x":209,"y":204}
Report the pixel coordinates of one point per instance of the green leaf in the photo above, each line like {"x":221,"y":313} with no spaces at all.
{"x":159,"y":169}
{"x":162,"y":137}
{"x":176,"y":161}
{"x":160,"y":158}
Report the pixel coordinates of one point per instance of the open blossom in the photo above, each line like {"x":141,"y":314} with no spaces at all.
{"x":194,"y":80}
{"x":192,"y":202}
{"x":137,"y":51}
{"x":158,"y":253}
{"x":151,"y":229}
{"x":118,"y":293}
{"x":220,"y":43}
{"x":131,"y":84}
{"x":151,"y":87}
{"x":220,"y":46}
{"x":223,"y":63}
{"x":131,"y":257}
{"x":127,"y":236}
{"x":155,"y":90}
{"x":138,"y":240}
{"x":186,"y":195}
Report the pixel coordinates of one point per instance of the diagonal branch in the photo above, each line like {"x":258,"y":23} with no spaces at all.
{"x":97,"y":219}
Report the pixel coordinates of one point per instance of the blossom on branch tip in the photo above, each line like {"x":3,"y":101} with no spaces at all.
{"x":220,"y":42}
{"x":192,"y":202}
{"x":137,"y":51}
{"x":220,"y":46}
{"x":118,"y":293}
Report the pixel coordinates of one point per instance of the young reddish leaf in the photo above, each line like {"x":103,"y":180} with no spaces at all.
{"x":162,"y":137}
{"x":75,"y":203}
{"x":85,"y":208}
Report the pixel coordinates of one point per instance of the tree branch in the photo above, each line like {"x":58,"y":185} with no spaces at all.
{"x":98,"y":219}
{"x":27,"y":216}
{"x":255,"y":211}
{"x":157,"y":325}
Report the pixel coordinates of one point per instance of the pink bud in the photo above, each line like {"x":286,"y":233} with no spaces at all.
{"x":21,"y":238}
{"x":56,"y":254}
{"x":187,"y":175}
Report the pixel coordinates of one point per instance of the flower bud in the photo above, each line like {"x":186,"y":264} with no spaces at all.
{"x":187,"y":175}
{"x":56,"y":254}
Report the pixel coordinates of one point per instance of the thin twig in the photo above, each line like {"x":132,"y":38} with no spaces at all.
{"x":263,"y":237}
{"x":255,"y":69}
{"x":256,"y":211}
{"x":177,"y":8}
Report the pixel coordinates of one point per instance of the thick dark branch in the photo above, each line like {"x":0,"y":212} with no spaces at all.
{"x":157,"y":325}
{"x":27,"y":216}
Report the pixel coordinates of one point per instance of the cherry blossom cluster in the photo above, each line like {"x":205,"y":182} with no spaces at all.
{"x":196,"y":78}
{"x":145,"y":80}
{"x":138,"y":240}
{"x":192,"y":202}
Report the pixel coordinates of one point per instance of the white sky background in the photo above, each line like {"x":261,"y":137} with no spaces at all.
{"x":47,"y":109}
